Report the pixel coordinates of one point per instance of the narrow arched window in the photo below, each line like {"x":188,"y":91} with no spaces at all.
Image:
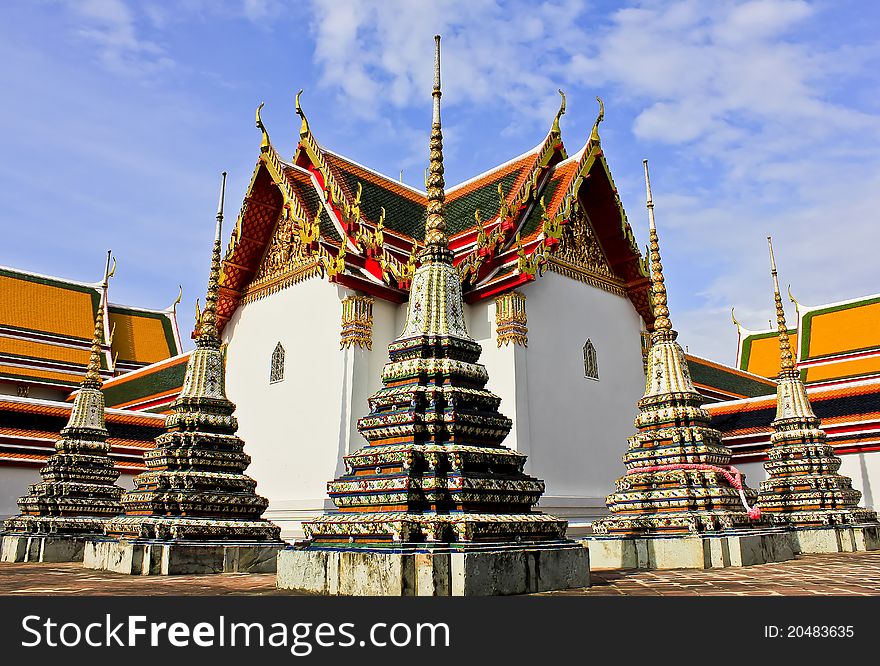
{"x":276,"y":372}
{"x":591,"y":365}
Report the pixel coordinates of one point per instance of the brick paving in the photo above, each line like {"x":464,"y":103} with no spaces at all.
{"x":810,"y":575}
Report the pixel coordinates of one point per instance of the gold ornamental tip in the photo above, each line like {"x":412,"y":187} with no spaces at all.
{"x":93,"y":371}
{"x":786,"y":358}
{"x":436,"y":241}
{"x":662,"y":321}
{"x":207,"y":322}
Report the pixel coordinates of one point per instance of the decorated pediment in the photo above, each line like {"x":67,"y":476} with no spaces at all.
{"x":579,"y":248}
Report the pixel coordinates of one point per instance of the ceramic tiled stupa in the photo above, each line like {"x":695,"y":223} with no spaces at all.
{"x":78,"y":493}
{"x":679,"y":481}
{"x":804,"y":488}
{"x":194,"y":509}
{"x":434,"y":480}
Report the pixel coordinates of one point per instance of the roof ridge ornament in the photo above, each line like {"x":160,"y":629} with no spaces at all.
{"x":662,"y":322}
{"x":555,"y":129}
{"x":786,"y":359}
{"x":594,"y":134}
{"x":304,"y":127}
{"x":264,"y":142}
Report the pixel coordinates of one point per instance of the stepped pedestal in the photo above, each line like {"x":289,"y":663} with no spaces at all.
{"x":731,"y":548}
{"x":837,"y":539}
{"x":41,"y":548}
{"x":414,"y":570}
{"x":147,"y":557}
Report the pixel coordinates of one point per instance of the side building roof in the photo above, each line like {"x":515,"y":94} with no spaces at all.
{"x":46,"y":328}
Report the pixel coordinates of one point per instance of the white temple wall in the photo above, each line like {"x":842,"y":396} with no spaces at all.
{"x":291,"y":428}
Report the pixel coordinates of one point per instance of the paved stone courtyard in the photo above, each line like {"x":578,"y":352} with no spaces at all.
{"x":839,"y":574}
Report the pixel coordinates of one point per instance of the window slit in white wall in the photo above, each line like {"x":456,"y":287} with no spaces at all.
{"x":276,"y":372}
{"x":591,"y":364}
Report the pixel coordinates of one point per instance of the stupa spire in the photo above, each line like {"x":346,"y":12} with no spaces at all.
{"x":208,"y":333}
{"x":786,"y":358}
{"x":436,"y":241}
{"x":195,"y":486}
{"x":662,"y":322}
{"x":93,"y":371}
{"x":804,"y":486}
{"x":678,"y":479}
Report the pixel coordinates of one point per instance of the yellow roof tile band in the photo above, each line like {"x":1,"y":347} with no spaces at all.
{"x":69,"y":378}
{"x":44,"y":351}
{"x":852,"y":368}
{"x":764,"y":355}
{"x":43,"y":307}
{"x":845,"y":330}
{"x":139,"y":339}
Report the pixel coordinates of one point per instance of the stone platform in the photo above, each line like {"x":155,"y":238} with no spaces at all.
{"x":162,"y":558}
{"x":487,"y":570}
{"x":18,"y":547}
{"x":737,"y":548}
{"x":837,"y":539}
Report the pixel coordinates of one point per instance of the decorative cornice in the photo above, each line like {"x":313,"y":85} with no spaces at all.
{"x":510,"y":319}
{"x":357,"y":322}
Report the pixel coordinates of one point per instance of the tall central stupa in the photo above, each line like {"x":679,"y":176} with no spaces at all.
{"x":434,"y":478}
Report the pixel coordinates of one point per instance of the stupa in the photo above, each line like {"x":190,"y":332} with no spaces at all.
{"x":193,"y":510}
{"x":78,"y":493}
{"x":804,"y":489}
{"x":434,"y":504}
{"x":679,"y":488}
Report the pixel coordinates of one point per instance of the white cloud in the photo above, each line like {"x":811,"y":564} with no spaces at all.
{"x":760,"y":125}
{"x":110,"y":26}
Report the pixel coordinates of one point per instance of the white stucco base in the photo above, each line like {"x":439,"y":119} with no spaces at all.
{"x":486,"y":571}
{"x":41,"y":548}
{"x":838,"y":539}
{"x":737,"y":549}
{"x":151,"y":558}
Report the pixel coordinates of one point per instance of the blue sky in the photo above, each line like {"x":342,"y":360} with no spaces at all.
{"x":758,"y":118}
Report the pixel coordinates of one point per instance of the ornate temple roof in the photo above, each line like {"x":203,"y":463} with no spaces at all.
{"x":151,"y":389}
{"x":49,"y":345}
{"x":833,"y":342}
{"x":505,"y":225}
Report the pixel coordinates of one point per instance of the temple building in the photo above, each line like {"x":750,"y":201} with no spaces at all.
{"x":316,"y":279}
{"x":46,"y":330}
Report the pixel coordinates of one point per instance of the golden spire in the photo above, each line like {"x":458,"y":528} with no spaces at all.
{"x":207,"y":325}
{"x":786,"y":359}
{"x":93,"y":373}
{"x":658,"y":286}
{"x":436,"y":242}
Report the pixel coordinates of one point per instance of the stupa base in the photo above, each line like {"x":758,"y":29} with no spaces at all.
{"x":734,"y":548}
{"x":837,"y":538}
{"x":415,"y":570}
{"x":143,"y":557}
{"x":42,"y":548}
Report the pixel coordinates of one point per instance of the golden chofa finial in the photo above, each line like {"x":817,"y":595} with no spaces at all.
{"x":264,"y":142}
{"x":304,"y":127}
{"x":658,"y":283}
{"x":436,"y":242}
{"x":594,"y":134}
{"x":93,"y":372}
{"x":208,"y":335}
{"x":786,"y":358}
{"x":554,"y":129}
